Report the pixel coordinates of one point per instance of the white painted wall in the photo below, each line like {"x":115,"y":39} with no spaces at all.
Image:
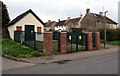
{"x":60,"y":28}
{"x":27,"y":20}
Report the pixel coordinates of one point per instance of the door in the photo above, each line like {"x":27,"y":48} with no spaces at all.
{"x":29,"y":33}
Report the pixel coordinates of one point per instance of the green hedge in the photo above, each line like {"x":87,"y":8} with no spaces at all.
{"x":111,"y":34}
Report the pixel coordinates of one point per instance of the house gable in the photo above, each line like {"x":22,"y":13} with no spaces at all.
{"x":18,"y":18}
{"x":27,"y":18}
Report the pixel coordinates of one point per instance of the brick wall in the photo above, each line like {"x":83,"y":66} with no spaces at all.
{"x":48,"y":43}
{"x":63,"y":42}
{"x":89,"y":41}
{"x":97,"y":40}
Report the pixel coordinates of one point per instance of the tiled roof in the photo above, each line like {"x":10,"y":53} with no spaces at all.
{"x":75,"y":20}
{"x":48,"y":24}
{"x":61,"y":23}
{"x":64,"y":22}
{"x":101,"y":18}
{"x":23,"y":15}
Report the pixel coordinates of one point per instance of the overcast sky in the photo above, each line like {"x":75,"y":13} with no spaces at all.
{"x":61,"y":9}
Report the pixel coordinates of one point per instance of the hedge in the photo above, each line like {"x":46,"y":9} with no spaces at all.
{"x":111,"y":34}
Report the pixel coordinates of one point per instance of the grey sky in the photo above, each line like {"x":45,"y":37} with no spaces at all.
{"x":61,"y":9}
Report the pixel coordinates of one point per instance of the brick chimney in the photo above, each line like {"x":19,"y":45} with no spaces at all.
{"x":101,"y":13}
{"x":49,"y":20}
{"x":68,"y":18}
{"x":58,"y":20}
{"x":81,"y":15}
{"x":88,"y":11}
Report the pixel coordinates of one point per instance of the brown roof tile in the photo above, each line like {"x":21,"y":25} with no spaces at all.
{"x":101,"y":18}
{"x":64,"y":22}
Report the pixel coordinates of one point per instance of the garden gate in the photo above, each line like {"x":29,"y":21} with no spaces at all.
{"x":56,"y":41}
{"x":76,"y":42}
{"x":33,"y":40}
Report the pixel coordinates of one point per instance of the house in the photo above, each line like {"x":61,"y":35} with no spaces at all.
{"x":93,"y":21}
{"x":67,"y":25}
{"x":27,"y":22}
{"x":50,"y":25}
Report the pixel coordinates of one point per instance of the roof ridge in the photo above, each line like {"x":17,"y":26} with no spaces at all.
{"x":19,"y":17}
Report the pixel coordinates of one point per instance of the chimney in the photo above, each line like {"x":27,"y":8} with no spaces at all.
{"x":81,"y":15}
{"x":49,"y":20}
{"x":88,"y":11}
{"x":68,"y":18}
{"x":101,"y":13}
{"x":58,"y":20}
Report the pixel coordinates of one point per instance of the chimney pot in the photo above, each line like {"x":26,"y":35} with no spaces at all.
{"x":88,"y":11}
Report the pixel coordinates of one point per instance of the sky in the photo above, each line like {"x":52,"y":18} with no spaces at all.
{"x":119,"y":14}
{"x":61,"y":9}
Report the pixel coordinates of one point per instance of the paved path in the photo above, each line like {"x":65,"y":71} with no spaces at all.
{"x":107,"y":64}
{"x":72,"y":56}
{"x":11,"y":64}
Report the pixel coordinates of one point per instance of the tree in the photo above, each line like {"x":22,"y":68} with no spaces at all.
{"x":5,"y":20}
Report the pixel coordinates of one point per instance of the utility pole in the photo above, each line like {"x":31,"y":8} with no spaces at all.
{"x":105,"y":30}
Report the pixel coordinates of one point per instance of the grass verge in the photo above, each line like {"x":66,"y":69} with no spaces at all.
{"x":17,"y":50}
{"x":111,"y":42}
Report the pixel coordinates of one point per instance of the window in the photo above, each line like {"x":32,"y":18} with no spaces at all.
{"x":19,"y":28}
{"x":38,"y":29}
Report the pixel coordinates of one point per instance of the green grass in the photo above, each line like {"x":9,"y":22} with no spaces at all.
{"x":111,"y":42}
{"x":17,"y":50}
{"x":114,"y":43}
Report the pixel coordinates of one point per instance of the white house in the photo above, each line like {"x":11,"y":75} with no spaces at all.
{"x":28,"y":22}
{"x":67,"y":25}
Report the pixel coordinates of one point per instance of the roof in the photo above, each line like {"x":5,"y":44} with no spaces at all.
{"x":75,"y":20}
{"x":18,"y":18}
{"x":101,"y":18}
{"x":61,"y":23}
{"x":64,"y":22}
{"x":48,"y":24}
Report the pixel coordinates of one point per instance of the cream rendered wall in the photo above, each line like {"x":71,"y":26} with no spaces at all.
{"x":29,"y":19}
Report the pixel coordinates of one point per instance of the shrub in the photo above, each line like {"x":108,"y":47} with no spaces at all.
{"x":111,"y":34}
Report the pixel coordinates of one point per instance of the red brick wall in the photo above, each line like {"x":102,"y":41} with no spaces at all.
{"x":97,"y":40}
{"x":63,"y":49}
{"x":48,"y":43}
{"x":89,"y":41}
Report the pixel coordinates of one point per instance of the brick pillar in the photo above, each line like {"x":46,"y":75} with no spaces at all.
{"x":48,"y":42}
{"x":63,"y":49}
{"x":97,"y":40}
{"x":89,"y":41}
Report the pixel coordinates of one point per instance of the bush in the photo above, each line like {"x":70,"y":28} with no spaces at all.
{"x":114,"y":42}
{"x":111,"y":34}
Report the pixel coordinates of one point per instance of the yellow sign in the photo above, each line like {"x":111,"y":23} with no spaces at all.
{"x":21,"y":42}
{"x":70,"y":37}
{"x":80,"y":37}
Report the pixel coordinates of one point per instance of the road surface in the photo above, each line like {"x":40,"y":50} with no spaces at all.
{"x":106,"y":64}
{"x":11,"y":64}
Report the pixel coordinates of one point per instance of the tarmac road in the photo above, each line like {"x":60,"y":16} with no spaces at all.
{"x":106,"y":64}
